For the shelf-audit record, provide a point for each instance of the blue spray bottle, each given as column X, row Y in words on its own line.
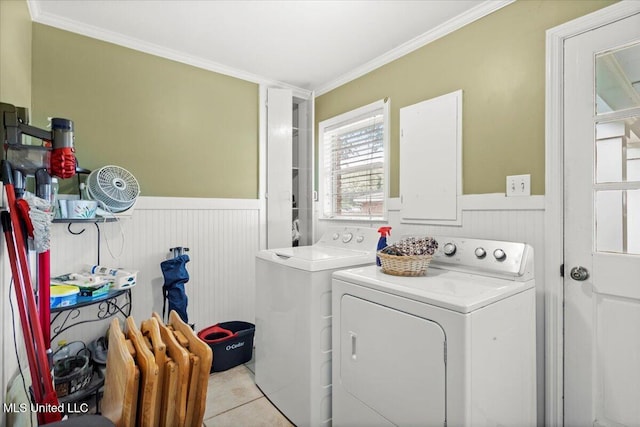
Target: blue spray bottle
column 382, row 242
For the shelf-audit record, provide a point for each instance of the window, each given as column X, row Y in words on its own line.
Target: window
column 353, row 163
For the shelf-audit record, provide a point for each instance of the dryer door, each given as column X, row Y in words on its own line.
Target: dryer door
column 393, row 362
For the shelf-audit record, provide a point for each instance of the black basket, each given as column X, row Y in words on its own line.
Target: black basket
column 231, row 343
column 72, row 374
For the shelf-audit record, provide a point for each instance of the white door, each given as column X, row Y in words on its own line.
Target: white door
column 602, row 226
column 279, row 166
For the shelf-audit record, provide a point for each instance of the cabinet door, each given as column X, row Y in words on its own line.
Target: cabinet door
column 431, row 160
column 393, row 362
column 279, row 164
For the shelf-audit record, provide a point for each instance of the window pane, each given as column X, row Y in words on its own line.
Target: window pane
column 618, row 221
column 353, row 166
column 633, row 222
column 618, row 79
column 609, row 237
column 618, row 151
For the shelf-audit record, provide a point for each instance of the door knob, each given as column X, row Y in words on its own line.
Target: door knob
column 579, row 273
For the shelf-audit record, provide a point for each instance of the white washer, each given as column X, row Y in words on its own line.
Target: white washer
column 293, row 320
column 455, row 347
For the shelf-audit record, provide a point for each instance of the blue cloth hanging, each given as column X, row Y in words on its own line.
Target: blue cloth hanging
column 175, row 276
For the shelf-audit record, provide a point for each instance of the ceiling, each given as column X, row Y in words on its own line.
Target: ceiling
column 310, row 45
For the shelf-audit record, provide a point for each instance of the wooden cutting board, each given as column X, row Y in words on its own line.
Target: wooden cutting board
column 148, row 376
column 193, row 391
column 120, row 399
column 169, row 394
column 180, row 356
column 203, row 352
column 151, row 332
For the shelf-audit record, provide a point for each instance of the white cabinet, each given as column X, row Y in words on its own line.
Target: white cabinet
column 289, row 169
column 431, row 160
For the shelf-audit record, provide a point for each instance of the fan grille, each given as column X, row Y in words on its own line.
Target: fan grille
column 114, row 186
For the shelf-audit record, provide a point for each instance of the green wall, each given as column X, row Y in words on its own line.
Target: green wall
column 499, row 63
column 15, row 88
column 15, row 53
column 181, row 130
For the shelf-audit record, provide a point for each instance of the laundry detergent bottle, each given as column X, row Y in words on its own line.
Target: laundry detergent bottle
column 382, row 242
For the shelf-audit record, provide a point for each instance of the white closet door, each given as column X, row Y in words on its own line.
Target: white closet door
column 279, row 165
column 431, row 160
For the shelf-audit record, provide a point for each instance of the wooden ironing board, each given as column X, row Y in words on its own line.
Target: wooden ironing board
column 148, row 376
column 120, row 399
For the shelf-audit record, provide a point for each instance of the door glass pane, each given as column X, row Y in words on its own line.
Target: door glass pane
column 618, row 151
column 618, row 79
column 618, row 221
column 609, row 237
column 633, row 221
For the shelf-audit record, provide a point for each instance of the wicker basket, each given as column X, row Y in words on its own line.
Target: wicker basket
column 408, row 265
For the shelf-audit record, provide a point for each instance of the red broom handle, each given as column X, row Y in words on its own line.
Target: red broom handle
column 19, row 288
column 44, row 294
column 48, row 395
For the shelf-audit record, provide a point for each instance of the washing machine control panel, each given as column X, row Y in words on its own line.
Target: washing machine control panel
column 490, row 256
column 356, row 238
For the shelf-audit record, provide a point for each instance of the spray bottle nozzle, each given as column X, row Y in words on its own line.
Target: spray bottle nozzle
column 384, row 231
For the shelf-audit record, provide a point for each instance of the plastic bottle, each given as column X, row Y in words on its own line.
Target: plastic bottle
column 62, row 352
column 382, row 242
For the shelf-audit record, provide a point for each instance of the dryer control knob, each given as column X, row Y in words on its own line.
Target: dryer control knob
column 336, row 236
column 359, row 239
column 449, row 249
column 499, row 254
column 480, row 252
column 346, row 237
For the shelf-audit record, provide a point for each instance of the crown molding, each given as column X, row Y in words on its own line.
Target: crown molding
column 37, row 15
column 472, row 15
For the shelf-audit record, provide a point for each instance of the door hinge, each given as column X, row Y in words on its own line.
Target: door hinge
column 561, row 270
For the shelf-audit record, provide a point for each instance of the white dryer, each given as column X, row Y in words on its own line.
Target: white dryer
column 455, row 347
column 293, row 320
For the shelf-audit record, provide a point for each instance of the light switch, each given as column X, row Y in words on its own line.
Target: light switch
column 518, row 185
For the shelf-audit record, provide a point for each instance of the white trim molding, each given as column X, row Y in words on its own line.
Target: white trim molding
column 195, row 203
column 488, row 202
column 37, row 15
column 483, row 9
column 554, row 199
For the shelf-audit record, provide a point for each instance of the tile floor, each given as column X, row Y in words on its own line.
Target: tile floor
column 234, row 400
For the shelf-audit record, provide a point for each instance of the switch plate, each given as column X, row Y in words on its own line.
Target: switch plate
column 518, row 185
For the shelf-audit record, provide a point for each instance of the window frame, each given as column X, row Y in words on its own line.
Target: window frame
column 332, row 122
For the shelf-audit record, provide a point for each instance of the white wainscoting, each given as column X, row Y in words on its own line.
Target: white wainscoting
column 222, row 236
